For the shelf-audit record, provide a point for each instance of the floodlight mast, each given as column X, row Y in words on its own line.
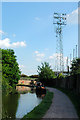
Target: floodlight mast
column 59, row 21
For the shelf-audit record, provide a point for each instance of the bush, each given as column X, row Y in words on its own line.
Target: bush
column 5, row 85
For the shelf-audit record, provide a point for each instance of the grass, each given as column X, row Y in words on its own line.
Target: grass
column 74, row 98
column 39, row 111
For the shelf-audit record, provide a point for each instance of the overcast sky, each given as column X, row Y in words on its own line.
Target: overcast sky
column 27, row 27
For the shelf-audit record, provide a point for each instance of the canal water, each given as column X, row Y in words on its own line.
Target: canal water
column 18, row 105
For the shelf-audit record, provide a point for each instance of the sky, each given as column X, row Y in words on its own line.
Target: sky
column 27, row 27
column 40, row 0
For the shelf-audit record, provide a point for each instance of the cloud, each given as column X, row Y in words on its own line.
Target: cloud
column 27, row 70
column 38, row 59
column 37, row 18
column 39, row 56
column 5, row 43
column 36, row 52
column 72, row 18
column 54, row 56
column 1, row 32
column 46, row 49
column 14, row 35
column 54, row 61
column 21, row 67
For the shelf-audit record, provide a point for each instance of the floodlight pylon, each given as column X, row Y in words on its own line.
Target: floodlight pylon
column 59, row 21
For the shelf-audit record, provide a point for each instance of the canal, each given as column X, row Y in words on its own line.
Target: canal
column 18, row 105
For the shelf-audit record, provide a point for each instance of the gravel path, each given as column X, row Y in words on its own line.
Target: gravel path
column 61, row 106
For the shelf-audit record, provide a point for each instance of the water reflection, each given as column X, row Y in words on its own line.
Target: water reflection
column 23, row 89
column 40, row 94
column 9, row 105
column 26, row 103
column 17, row 105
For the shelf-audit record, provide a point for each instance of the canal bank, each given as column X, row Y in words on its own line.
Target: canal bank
column 39, row 111
column 61, row 107
column 20, row 103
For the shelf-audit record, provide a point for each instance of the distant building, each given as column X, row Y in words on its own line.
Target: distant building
column 79, row 46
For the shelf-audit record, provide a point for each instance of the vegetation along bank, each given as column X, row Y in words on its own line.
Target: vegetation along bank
column 10, row 70
column 39, row 111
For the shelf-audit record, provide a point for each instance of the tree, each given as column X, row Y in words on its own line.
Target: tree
column 75, row 73
column 34, row 76
column 10, row 68
column 61, row 75
column 23, row 75
column 45, row 73
column 75, row 67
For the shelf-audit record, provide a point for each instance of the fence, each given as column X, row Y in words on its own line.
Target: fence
column 69, row 82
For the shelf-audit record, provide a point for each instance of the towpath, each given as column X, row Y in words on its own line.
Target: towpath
column 61, row 106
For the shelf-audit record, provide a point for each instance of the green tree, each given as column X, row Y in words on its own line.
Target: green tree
column 75, row 74
column 10, row 68
column 60, row 75
column 45, row 73
column 75, row 67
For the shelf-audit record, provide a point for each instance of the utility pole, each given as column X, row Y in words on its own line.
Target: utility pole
column 73, row 53
column 70, row 58
column 76, row 51
column 59, row 21
column 67, row 65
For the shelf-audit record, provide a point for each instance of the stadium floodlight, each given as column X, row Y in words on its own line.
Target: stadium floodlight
column 59, row 20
